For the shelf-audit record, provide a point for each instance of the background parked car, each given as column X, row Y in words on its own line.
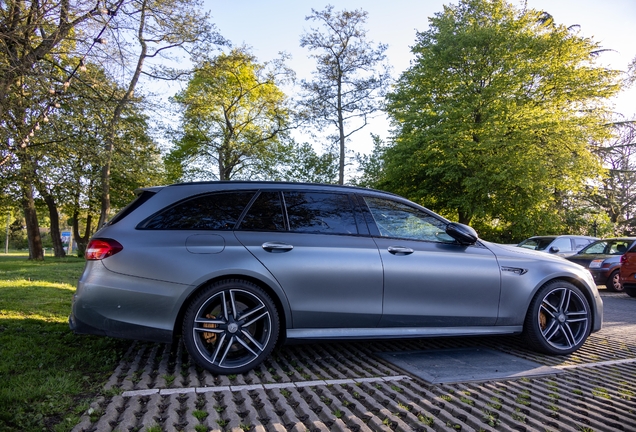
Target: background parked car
column 603, row 259
column 562, row 245
column 628, row 271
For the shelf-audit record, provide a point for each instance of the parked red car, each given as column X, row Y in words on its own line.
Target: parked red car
column 628, row 271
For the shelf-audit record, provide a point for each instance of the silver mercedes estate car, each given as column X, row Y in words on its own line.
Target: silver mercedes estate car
column 238, row 267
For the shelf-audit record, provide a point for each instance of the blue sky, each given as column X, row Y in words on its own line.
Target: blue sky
column 272, row 26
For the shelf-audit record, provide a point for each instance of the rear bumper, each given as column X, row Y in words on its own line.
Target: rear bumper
column 111, row 304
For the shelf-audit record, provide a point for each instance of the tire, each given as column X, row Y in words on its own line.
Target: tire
column 613, row 282
column 230, row 327
column 558, row 320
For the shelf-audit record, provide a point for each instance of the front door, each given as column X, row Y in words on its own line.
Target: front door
column 429, row 279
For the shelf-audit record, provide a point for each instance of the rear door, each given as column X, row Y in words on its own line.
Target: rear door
column 310, row 241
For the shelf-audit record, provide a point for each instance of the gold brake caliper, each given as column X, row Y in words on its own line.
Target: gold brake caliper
column 543, row 320
column 208, row 336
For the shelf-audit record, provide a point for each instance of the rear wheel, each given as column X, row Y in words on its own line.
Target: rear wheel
column 558, row 320
column 613, row 282
column 230, row 327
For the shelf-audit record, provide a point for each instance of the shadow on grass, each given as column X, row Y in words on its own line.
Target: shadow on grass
column 48, row 375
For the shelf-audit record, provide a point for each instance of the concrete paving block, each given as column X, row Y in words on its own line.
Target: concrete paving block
column 310, row 383
column 212, row 389
column 238, row 388
column 137, row 393
column 172, row 391
column 270, row 386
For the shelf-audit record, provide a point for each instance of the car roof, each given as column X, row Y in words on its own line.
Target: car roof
column 263, row 183
column 564, row 235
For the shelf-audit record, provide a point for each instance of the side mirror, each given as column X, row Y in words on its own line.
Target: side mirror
column 464, row 234
column 554, row 249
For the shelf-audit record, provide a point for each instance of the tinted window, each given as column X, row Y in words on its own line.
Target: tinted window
column 265, row 214
column 218, row 211
column 395, row 219
column 134, row 205
column 320, row 212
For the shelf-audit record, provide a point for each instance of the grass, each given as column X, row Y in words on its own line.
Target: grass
column 48, row 375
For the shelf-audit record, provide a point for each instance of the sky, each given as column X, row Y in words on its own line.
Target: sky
column 272, row 26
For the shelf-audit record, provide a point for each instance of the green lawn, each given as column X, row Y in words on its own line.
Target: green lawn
column 48, row 375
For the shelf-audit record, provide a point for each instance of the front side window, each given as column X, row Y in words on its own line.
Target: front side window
column 395, row 219
column 320, row 212
column 217, row 211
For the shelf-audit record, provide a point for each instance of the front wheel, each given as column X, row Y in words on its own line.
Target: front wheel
column 230, row 327
column 613, row 282
column 558, row 320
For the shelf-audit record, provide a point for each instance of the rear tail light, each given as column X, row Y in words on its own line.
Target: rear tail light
column 102, row 248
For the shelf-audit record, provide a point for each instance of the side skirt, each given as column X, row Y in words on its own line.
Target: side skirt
column 399, row 332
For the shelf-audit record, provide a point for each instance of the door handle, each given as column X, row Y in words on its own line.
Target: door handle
column 277, row 247
column 399, row 250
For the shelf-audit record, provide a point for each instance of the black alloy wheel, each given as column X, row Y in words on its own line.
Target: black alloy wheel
column 559, row 319
column 230, row 327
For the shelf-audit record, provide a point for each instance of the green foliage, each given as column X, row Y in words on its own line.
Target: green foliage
column 303, row 164
column 234, row 120
column 48, row 374
column 495, row 115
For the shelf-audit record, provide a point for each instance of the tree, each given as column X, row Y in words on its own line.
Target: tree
column 30, row 34
column 350, row 77
column 157, row 27
column 234, row 120
column 494, row 118
column 615, row 194
column 303, row 164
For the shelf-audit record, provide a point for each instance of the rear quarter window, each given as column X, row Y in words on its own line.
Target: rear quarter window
column 134, row 205
column 216, row 211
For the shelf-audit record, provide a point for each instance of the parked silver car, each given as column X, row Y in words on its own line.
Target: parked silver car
column 237, row 267
column 562, row 245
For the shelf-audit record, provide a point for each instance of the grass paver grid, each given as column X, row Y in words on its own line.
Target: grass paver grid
column 330, row 387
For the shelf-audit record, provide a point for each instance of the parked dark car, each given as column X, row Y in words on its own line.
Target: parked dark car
column 236, row 267
column 562, row 245
column 603, row 259
column 628, row 271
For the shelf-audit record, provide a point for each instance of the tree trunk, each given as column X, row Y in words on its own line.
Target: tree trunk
column 33, row 228
column 56, row 235
column 81, row 241
column 341, row 134
column 464, row 217
column 114, row 122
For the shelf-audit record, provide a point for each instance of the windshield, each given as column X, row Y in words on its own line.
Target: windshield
column 607, row 247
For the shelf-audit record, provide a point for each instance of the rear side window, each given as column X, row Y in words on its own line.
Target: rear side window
column 265, row 214
column 318, row 212
column 217, row 211
column 581, row 243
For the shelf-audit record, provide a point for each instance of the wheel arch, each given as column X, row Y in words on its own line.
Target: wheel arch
column 283, row 317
